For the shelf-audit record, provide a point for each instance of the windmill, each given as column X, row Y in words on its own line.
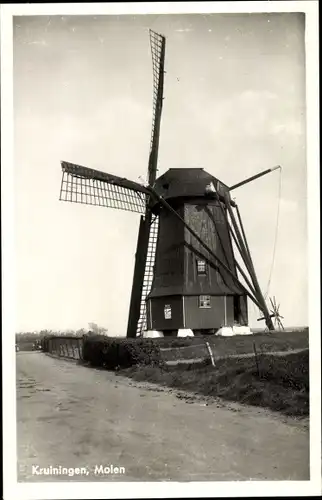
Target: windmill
column 275, row 314
column 186, row 275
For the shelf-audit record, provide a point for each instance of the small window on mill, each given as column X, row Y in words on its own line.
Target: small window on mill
column 201, row 267
column 167, row 311
column 204, row 302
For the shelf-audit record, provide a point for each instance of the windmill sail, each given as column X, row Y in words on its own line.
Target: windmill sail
column 158, row 52
column 145, row 255
column 92, row 187
column 148, row 275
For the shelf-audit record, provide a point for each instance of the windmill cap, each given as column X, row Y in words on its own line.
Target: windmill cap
column 188, row 182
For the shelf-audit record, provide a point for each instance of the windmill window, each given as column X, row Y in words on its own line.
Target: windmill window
column 167, row 311
column 204, row 302
column 201, row 267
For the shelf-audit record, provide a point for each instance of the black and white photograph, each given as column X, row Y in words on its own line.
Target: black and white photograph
column 160, row 245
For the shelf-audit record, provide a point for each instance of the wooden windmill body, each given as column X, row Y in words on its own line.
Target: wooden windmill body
column 186, row 292
column 186, row 275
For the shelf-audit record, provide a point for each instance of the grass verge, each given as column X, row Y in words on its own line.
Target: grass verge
column 194, row 347
column 281, row 384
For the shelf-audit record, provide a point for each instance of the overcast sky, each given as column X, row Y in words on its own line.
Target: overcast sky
column 234, row 105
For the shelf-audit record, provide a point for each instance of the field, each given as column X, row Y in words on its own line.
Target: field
column 268, row 370
column 230, row 346
column 280, row 383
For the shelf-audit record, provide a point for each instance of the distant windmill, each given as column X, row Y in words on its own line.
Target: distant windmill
column 275, row 314
column 185, row 272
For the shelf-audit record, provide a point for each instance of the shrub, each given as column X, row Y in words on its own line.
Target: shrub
column 113, row 353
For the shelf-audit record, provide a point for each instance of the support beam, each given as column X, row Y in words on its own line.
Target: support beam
column 244, row 235
column 251, row 269
column 237, row 265
column 225, row 201
column 206, row 247
column 262, row 319
column 208, row 212
column 211, row 217
column 242, row 272
column 250, row 179
column 215, row 266
column 239, row 249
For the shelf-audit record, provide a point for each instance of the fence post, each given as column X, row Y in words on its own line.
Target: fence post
column 80, row 347
column 70, row 348
column 210, row 354
column 73, row 349
column 256, row 359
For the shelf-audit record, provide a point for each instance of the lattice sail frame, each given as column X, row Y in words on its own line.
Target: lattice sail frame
column 148, row 274
column 91, row 187
column 157, row 43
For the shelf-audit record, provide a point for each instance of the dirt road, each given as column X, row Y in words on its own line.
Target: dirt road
column 72, row 416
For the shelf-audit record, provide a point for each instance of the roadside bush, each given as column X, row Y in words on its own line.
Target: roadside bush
column 114, row 353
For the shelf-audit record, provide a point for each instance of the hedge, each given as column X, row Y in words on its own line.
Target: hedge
column 114, row 353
